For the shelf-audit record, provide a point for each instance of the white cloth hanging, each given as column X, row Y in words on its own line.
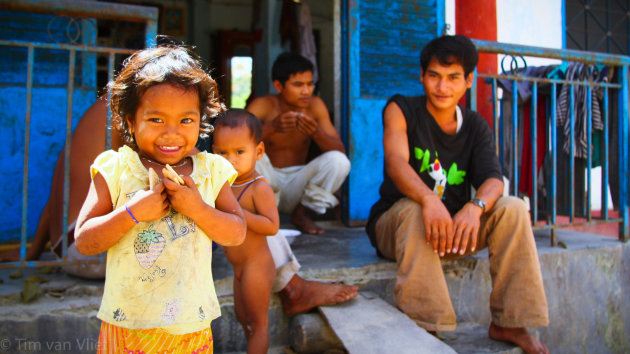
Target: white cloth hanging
column 307, row 41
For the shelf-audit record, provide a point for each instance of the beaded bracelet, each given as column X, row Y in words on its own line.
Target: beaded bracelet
column 130, row 214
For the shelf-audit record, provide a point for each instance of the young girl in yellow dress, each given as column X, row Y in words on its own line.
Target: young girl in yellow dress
column 159, row 294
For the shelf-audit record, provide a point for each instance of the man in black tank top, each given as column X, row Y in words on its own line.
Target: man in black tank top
column 435, row 151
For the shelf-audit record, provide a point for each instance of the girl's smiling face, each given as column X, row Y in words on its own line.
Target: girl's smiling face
column 166, row 124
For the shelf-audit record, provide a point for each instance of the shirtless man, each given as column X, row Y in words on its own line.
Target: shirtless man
column 292, row 119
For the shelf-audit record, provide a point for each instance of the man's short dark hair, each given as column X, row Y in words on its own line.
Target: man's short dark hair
column 450, row 50
column 233, row 118
column 288, row 64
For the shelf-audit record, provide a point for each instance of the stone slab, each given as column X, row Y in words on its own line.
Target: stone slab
column 367, row 324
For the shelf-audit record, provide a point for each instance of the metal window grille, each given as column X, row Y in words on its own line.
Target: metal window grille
column 73, row 10
column 620, row 88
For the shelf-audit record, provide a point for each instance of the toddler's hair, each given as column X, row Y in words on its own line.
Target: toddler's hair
column 172, row 64
column 233, row 118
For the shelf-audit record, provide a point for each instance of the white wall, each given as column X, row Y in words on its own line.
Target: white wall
column 449, row 16
column 532, row 22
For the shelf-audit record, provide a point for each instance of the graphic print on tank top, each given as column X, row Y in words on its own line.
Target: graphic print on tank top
column 438, row 172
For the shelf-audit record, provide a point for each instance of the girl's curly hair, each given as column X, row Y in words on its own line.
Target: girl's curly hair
column 172, row 64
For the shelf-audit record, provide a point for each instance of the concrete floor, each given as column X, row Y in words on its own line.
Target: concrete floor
column 586, row 285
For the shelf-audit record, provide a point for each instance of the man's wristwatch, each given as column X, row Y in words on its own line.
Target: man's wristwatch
column 480, row 203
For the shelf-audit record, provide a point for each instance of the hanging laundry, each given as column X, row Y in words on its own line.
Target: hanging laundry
column 579, row 72
column 524, row 87
column 296, row 27
column 289, row 24
column 307, row 40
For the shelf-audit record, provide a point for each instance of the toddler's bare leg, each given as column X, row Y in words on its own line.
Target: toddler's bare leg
column 258, row 276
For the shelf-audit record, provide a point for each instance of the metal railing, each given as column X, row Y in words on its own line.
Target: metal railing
column 620, row 64
column 72, row 9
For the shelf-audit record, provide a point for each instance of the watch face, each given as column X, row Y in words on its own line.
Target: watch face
column 480, row 203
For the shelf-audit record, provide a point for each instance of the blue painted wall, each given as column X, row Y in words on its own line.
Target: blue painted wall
column 384, row 43
column 48, row 112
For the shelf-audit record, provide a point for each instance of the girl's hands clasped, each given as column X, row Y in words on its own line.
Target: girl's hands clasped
column 147, row 205
column 185, row 199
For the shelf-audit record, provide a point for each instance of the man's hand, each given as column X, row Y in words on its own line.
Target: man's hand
column 466, row 223
column 438, row 225
column 285, row 122
column 305, row 124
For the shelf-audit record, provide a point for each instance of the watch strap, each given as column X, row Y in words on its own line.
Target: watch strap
column 480, row 203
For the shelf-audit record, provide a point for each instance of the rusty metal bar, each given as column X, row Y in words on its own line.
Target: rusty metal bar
column 64, row 46
column 495, row 117
column 514, row 138
column 473, row 92
column 151, row 34
column 551, row 53
column 501, row 127
column 548, row 81
column 66, row 167
column 605, row 158
column 623, row 155
column 534, row 136
column 95, row 9
column 44, row 263
column 110, row 77
column 554, row 162
column 589, row 144
column 27, row 143
column 571, row 152
column 593, row 222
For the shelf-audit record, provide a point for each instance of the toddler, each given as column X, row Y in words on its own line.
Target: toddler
column 238, row 138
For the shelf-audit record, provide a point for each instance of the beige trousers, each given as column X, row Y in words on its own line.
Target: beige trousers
column 517, row 298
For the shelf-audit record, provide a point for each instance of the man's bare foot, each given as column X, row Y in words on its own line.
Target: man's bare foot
column 300, row 218
column 518, row 336
column 301, row 295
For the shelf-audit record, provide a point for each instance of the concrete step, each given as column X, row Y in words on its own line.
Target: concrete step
column 593, row 266
column 586, row 285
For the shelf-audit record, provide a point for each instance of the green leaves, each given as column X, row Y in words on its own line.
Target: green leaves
column 455, row 176
column 149, row 236
column 424, row 156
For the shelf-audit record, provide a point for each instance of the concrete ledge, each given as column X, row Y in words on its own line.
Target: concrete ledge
column 585, row 284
